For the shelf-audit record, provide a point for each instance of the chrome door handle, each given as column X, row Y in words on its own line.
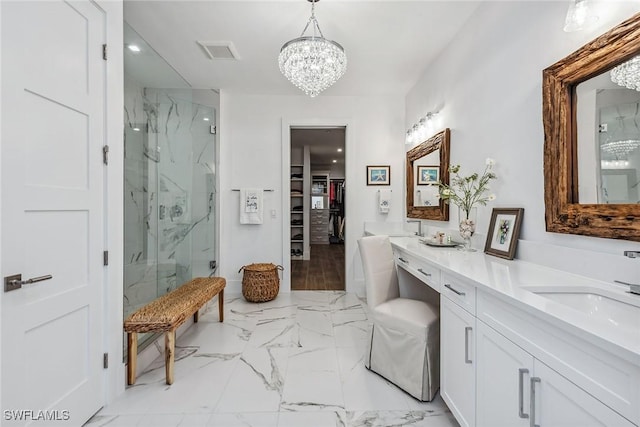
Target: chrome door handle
column 532, row 398
column 11, row 283
column 454, row 290
column 521, row 373
column 424, row 272
column 403, row 260
column 466, row 344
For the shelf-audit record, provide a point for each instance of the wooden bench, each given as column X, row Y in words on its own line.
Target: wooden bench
column 166, row 314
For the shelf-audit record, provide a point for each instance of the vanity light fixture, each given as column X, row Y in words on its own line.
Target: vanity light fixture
column 312, row 63
column 421, row 130
column 580, row 15
column 614, row 164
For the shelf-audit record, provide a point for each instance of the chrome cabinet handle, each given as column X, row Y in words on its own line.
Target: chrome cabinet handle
column 11, row 283
column 403, row 260
column 532, row 398
column 467, row 359
column 454, row 290
column 521, row 373
column 424, row 272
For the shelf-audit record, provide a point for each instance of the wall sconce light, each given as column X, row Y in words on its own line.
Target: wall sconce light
column 419, row 131
column 580, row 15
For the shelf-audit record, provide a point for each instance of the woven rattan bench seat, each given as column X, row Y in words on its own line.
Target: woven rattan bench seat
column 166, row 314
column 171, row 310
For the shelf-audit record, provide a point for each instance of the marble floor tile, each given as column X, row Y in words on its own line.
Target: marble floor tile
column 398, row 418
column 296, row 361
column 312, row 391
column 315, row 419
column 302, row 360
column 257, row 382
column 255, row 419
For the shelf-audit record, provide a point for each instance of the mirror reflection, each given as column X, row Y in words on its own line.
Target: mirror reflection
column 608, row 140
column 426, row 172
column 427, row 164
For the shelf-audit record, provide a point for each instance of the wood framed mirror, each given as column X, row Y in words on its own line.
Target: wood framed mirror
column 427, row 164
column 564, row 212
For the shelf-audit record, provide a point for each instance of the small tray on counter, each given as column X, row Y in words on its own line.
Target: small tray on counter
column 451, row 244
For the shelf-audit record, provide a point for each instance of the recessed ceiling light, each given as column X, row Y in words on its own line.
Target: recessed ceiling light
column 136, row 129
column 133, row 48
column 206, row 119
column 339, row 150
column 335, row 161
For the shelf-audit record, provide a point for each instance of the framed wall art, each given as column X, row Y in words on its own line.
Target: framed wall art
column 378, row 175
column 504, row 231
column 428, row 175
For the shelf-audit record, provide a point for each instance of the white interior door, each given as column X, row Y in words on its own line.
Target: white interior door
column 53, row 118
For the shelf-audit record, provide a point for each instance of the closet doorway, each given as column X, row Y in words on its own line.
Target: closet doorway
column 318, row 191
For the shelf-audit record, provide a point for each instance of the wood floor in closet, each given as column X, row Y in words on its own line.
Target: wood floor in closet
column 323, row 272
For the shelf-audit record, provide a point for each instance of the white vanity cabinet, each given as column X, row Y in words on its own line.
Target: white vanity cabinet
column 457, row 348
column 504, row 371
column 457, row 361
column 516, row 390
column 506, row 363
column 563, row 380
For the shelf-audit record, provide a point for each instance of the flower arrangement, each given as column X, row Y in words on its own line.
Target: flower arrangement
column 467, row 191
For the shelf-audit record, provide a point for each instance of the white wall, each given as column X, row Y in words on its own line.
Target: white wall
column 251, row 155
column 488, row 86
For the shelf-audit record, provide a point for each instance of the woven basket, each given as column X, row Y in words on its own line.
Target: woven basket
column 260, row 282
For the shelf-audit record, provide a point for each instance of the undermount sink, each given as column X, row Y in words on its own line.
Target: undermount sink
column 617, row 308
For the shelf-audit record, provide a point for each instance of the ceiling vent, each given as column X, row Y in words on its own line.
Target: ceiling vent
column 220, row 50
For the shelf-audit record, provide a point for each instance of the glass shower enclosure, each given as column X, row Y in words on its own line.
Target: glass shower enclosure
column 169, row 178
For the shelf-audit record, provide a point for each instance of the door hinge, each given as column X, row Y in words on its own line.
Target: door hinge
column 105, row 258
column 104, row 52
column 105, row 360
column 105, row 154
column 213, row 130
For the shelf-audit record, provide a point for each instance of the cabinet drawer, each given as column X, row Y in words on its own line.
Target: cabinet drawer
column 319, row 229
column 428, row 273
column 460, row 292
column 321, row 214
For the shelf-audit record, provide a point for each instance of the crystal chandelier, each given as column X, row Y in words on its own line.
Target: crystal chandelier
column 627, row 74
column 312, row 63
column 622, row 142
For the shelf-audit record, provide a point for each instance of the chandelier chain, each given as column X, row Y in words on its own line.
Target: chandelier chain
column 313, row 19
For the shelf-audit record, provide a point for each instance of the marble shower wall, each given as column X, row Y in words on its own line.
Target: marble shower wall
column 169, row 191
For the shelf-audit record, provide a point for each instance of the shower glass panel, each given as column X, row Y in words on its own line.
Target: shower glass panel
column 169, row 179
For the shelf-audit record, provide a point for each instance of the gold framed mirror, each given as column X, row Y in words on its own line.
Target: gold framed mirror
column 563, row 211
column 427, row 164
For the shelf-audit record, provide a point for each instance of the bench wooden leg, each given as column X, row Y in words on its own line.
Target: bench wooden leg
column 132, row 357
column 196, row 316
column 220, row 305
column 169, row 356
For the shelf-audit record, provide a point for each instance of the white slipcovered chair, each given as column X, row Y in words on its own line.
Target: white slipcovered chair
column 404, row 345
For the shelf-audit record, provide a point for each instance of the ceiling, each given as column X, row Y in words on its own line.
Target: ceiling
column 389, row 44
column 323, row 143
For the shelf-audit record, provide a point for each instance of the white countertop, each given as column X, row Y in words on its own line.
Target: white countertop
column 508, row 279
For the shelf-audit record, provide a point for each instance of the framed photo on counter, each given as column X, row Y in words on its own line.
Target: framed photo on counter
column 504, row 231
